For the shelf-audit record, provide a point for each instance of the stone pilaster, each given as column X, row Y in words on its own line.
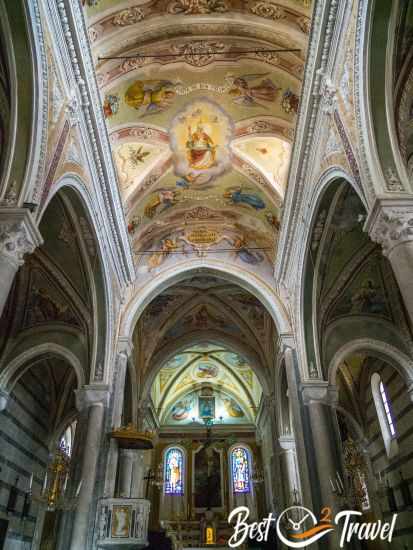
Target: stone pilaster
column 19, row 235
column 390, row 224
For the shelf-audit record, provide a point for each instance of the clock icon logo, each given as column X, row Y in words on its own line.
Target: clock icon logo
column 297, row 527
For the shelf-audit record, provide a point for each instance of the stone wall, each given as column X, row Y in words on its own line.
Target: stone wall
column 403, row 461
column 24, row 433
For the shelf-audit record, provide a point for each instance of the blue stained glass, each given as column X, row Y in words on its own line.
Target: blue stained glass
column 174, row 472
column 240, row 470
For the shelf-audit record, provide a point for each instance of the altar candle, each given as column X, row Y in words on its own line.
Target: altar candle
column 65, row 483
column 79, row 487
column 44, row 482
column 30, row 483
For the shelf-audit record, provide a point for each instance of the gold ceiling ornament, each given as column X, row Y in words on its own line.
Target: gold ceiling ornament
column 202, row 236
column 128, row 437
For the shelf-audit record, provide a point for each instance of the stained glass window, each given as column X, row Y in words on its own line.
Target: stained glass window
column 66, row 441
column 240, row 466
column 387, row 409
column 174, row 472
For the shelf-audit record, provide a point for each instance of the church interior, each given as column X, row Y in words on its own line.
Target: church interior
column 206, row 273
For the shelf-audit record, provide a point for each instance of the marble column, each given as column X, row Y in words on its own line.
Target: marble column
column 94, row 398
column 299, row 423
column 19, row 235
column 124, row 352
column 138, row 473
column 288, row 465
column 325, row 444
column 126, row 460
column 131, row 473
column 390, row 224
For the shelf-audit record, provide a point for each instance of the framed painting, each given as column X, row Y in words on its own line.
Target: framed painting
column 206, row 407
column 121, row 520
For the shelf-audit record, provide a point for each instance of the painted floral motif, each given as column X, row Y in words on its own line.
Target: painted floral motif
column 268, row 10
column 191, row 7
column 128, row 17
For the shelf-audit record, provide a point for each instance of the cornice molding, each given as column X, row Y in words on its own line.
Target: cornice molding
column 85, row 100
column 316, row 89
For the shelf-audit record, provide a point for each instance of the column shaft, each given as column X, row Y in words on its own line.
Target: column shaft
column 401, row 259
column 90, row 457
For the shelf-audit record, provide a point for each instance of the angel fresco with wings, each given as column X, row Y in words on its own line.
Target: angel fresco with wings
column 246, row 93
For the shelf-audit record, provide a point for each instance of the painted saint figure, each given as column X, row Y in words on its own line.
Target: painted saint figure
column 174, row 472
column 240, row 470
column 200, row 147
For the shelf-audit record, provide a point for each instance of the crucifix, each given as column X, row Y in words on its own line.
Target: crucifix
column 149, row 478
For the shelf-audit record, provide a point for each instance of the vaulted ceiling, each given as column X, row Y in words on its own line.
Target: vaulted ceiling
column 201, row 109
column 190, row 373
column 205, row 330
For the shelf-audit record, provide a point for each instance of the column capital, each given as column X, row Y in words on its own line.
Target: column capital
column 131, row 454
column 315, row 391
column 89, row 396
column 319, row 391
column 19, row 234
column 390, row 222
column 286, row 442
column 4, row 399
column 125, row 346
column 286, row 340
column 269, row 402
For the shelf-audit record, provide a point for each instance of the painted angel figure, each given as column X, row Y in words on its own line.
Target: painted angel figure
column 150, row 96
column 248, row 95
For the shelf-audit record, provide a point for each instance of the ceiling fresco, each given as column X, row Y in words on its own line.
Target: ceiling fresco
column 200, row 101
column 206, row 368
column 205, row 310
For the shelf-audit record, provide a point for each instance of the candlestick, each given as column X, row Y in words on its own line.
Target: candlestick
column 65, row 483
column 44, row 483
